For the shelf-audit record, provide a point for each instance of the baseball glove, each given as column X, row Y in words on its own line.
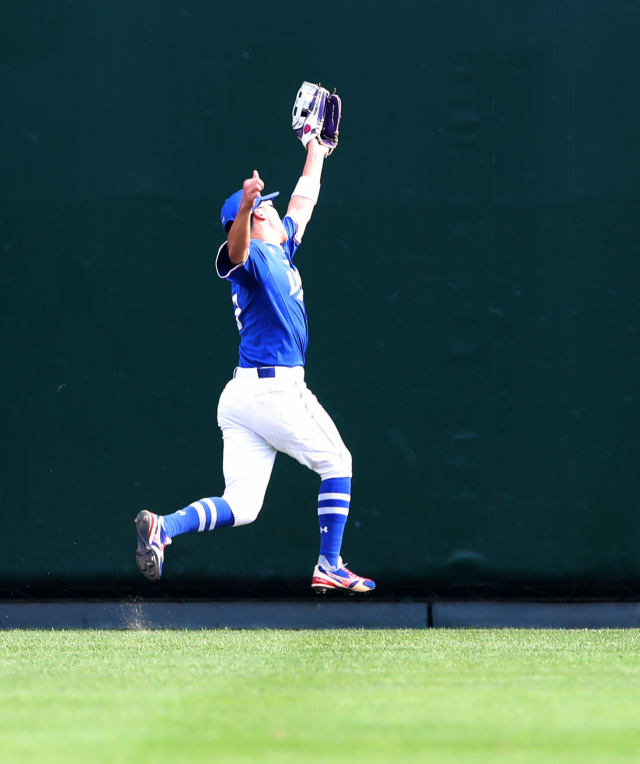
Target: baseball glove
column 316, row 114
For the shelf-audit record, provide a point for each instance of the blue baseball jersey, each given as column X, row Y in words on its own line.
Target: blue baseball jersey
column 268, row 302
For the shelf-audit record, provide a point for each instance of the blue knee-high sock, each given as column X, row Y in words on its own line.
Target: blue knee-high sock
column 333, row 509
column 203, row 515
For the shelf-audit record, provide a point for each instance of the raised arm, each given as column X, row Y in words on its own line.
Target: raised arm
column 240, row 233
column 301, row 206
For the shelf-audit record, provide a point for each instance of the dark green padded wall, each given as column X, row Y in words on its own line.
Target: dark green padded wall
column 471, row 276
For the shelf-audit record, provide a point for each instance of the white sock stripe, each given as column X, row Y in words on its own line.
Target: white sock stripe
column 214, row 513
column 198, row 506
column 338, row 496
column 333, row 511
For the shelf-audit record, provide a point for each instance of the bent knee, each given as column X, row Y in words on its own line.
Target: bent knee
column 340, row 465
column 245, row 508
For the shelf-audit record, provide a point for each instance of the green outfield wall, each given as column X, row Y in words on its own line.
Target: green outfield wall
column 471, row 275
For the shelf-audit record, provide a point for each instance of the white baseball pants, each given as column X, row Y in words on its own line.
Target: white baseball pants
column 261, row 416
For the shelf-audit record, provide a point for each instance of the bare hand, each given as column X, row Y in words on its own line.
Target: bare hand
column 314, row 147
column 252, row 188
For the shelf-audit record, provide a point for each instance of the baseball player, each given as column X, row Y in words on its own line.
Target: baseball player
column 267, row 406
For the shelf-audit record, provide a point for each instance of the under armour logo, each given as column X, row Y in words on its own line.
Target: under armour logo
column 182, row 512
column 324, row 530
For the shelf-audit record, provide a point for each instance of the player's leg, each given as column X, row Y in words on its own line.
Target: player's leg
column 322, row 449
column 202, row 515
column 294, row 422
column 155, row 532
column 247, row 465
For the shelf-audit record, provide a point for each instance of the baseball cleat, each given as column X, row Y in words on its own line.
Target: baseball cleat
column 326, row 577
column 150, row 553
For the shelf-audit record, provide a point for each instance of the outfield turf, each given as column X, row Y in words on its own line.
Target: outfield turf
column 319, row 696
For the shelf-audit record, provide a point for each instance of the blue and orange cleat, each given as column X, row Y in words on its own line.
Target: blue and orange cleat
column 150, row 553
column 326, row 576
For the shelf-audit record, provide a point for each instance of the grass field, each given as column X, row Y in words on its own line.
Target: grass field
column 324, row 696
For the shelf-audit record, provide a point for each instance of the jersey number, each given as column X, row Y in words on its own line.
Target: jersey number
column 237, row 310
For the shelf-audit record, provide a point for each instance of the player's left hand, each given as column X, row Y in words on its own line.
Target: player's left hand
column 316, row 114
column 318, row 148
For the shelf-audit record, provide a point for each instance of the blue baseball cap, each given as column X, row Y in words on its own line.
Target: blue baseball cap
column 232, row 205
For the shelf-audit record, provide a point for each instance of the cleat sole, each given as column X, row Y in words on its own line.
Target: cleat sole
column 323, row 589
column 145, row 555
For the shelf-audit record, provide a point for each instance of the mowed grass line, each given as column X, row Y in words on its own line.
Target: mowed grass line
column 320, row 696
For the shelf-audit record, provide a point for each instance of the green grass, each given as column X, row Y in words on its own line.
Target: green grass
column 328, row 696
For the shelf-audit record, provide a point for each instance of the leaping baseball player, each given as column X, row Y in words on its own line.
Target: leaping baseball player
column 267, row 406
